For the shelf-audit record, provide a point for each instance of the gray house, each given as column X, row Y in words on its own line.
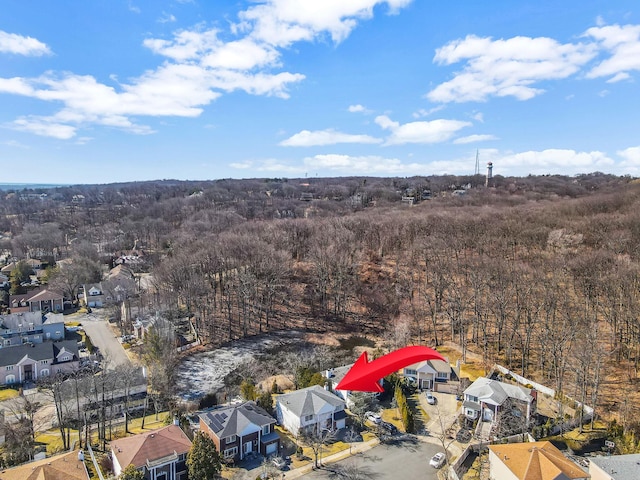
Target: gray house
column 311, row 409
column 30, row 327
column 30, row 362
column 239, row 430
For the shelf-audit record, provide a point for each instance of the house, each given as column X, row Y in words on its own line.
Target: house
column 335, row 375
column 93, row 295
column 32, row 361
column 238, row 430
column 429, row 373
column 4, row 281
column 310, row 409
column 484, row 399
column 37, row 300
column 160, row 455
column 532, row 461
column 615, row 467
column 30, row 327
column 66, row 466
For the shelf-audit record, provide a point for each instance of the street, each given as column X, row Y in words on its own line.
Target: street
column 97, row 328
column 406, row 459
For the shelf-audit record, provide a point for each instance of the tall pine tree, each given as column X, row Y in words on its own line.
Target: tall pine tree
column 203, row 460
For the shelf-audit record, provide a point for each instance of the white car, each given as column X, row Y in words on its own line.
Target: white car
column 437, row 461
column 431, row 400
column 373, row 417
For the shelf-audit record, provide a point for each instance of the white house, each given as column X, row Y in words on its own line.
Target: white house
column 615, row 467
column 311, row 409
column 428, row 373
column 484, row 398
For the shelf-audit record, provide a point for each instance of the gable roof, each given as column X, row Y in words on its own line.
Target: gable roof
column 436, row 365
column 620, row 467
column 150, row 446
column 537, row 461
column 37, row 351
column 309, row 401
column 60, row 467
column 235, row 419
column 45, row 295
column 494, row 392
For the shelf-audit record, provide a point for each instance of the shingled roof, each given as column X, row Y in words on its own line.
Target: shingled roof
column 38, row 351
column 151, row 446
column 61, row 467
column 234, row 420
column 309, row 401
column 537, row 461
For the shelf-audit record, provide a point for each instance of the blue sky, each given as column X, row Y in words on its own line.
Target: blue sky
column 119, row 90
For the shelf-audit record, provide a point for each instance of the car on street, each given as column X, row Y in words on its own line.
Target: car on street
column 437, row 461
column 373, row 417
column 431, row 400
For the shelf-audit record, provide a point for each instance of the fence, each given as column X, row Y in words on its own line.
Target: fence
column 95, row 463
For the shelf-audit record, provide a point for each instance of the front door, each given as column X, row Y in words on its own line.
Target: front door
column 28, row 373
column 247, row 447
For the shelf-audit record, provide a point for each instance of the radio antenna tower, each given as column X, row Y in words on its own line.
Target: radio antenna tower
column 477, row 172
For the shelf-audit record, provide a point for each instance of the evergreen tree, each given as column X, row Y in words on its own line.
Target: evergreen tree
column 131, row 473
column 203, row 460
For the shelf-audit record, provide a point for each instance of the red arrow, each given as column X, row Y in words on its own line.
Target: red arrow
column 364, row 375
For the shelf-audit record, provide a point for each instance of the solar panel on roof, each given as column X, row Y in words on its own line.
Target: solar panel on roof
column 224, row 416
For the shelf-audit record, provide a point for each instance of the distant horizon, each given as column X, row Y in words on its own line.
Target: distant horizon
column 251, row 89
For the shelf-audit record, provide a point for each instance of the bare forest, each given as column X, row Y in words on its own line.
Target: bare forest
column 541, row 274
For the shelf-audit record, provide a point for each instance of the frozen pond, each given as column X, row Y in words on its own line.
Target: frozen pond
column 204, row 372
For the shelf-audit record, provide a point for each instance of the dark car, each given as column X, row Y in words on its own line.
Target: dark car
column 388, row 428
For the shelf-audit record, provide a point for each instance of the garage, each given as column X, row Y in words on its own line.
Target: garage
column 272, row 449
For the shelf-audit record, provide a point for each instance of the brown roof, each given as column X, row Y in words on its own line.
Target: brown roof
column 45, row 295
column 61, row 467
column 537, row 461
column 151, row 446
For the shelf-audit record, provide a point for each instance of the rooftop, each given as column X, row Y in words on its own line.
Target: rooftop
column 151, row 446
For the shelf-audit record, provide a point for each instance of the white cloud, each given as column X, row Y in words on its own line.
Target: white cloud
column 630, row 160
column 199, row 66
column 20, row 45
column 623, row 43
column 552, row 160
column 425, row 113
column 43, row 127
column 435, row 131
column 474, row 139
column 283, row 22
column 358, row 109
column 167, row 18
column 369, row 164
column 306, row 138
column 478, row 117
column 511, row 67
column 15, row 144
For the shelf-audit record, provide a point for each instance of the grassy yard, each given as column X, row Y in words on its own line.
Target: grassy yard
column 8, row 394
column 472, row 370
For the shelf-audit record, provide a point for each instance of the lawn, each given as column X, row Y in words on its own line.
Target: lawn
column 472, row 370
column 8, row 394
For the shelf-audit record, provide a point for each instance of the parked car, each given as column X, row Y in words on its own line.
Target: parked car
column 437, row 461
column 431, row 400
column 373, row 417
column 279, row 462
column 388, row 428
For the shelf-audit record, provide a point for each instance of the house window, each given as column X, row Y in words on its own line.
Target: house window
column 64, row 359
column 265, row 430
column 7, row 342
column 44, row 362
column 231, row 439
column 308, row 418
column 471, row 398
column 9, row 367
column 444, row 375
column 44, row 372
column 161, row 476
column 409, row 371
column 230, row 452
column 471, row 413
column 10, row 379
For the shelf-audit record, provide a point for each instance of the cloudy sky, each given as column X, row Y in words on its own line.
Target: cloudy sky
column 118, row 90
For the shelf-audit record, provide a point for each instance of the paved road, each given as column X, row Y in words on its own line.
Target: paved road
column 400, row 460
column 102, row 337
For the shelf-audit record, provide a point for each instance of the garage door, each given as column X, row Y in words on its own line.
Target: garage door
column 272, row 448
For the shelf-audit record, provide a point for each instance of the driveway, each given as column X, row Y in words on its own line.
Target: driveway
column 441, row 415
column 406, row 459
column 102, row 337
